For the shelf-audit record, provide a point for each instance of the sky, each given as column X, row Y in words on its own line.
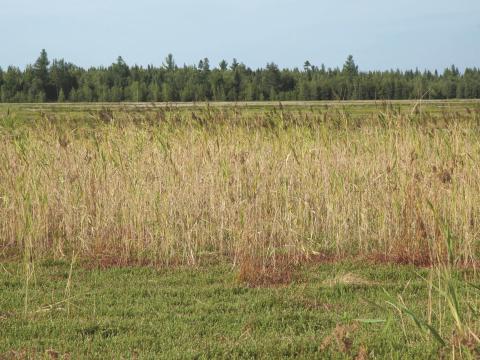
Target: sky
column 380, row 34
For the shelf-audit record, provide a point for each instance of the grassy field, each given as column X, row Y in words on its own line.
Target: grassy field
column 344, row 310
column 331, row 229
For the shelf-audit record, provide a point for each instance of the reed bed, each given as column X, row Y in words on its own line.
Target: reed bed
column 184, row 186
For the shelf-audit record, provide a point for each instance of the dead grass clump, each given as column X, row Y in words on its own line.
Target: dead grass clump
column 341, row 337
column 257, row 272
column 362, row 353
column 445, row 176
column 349, row 279
column 401, row 258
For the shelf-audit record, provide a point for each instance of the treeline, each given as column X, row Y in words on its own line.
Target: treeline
column 62, row 81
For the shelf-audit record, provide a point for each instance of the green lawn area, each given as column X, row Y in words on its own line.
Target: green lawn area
column 328, row 311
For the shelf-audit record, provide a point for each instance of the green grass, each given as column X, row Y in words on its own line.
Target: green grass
column 330, row 311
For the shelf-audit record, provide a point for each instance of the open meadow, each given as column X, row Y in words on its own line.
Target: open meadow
column 248, row 230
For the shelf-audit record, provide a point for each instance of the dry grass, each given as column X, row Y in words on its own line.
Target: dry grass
column 341, row 337
column 348, row 279
column 178, row 186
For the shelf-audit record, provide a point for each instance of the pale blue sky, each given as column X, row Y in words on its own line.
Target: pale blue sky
column 381, row 34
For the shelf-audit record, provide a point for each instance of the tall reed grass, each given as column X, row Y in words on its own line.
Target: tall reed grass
column 184, row 185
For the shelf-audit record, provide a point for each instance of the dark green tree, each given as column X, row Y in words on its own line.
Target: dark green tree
column 119, row 82
column 169, row 63
column 350, row 68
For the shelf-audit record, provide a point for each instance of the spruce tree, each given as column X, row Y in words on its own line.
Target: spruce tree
column 350, row 68
column 61, row 96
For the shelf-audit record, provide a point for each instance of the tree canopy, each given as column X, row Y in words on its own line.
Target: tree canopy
column 59, row 80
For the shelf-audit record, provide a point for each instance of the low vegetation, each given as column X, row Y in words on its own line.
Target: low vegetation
column 346, row 310
column 290, row 230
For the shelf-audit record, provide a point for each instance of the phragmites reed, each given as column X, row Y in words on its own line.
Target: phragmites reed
column 163, row 186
